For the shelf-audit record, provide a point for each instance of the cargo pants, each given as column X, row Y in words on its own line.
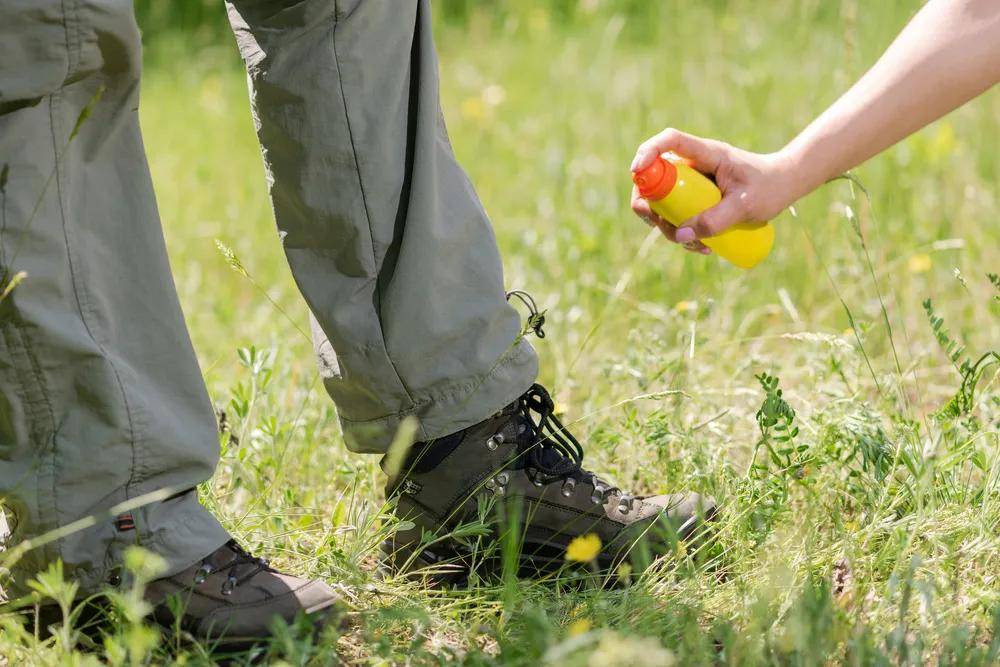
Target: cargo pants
column 101, row 396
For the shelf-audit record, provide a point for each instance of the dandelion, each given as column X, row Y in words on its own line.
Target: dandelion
column 473, row 109
column 538, row 21
column 583, row 549
column 578, row 627
column 919, row 263
column 942, row 144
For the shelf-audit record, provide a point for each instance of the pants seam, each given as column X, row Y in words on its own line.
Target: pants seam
column 76, row 47
column 83, row 305
column 364, row 200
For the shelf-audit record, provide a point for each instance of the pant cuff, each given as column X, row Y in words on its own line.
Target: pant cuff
column 182, row 535
column 453, row 409
column 179, row 530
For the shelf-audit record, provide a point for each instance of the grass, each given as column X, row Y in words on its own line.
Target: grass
column 861, row 504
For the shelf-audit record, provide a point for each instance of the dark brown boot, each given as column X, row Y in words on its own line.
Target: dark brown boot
column 233, row 598
column 523, row 456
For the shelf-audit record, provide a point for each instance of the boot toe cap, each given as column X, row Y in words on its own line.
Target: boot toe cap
column 685, row 511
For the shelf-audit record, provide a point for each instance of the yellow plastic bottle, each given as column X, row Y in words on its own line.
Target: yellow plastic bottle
column 677, row 192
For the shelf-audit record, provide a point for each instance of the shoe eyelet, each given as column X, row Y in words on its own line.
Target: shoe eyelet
column 498, row 484
column 202, row 574
column 597, row 497
column 494, row 441
column 228, row 585
column 568, row 487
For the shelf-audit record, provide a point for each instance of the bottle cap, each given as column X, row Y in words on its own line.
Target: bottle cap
column 657, row 180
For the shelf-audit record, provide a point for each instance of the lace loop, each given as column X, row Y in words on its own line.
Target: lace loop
column 549, row 436
column 550, row 449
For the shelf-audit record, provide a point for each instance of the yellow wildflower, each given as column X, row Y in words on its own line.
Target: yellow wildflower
column 578, row 627
column 919, row 263
column 584, row 548
column 942, row 144
column 538, row 20
column 685, row 306
column 473, row 109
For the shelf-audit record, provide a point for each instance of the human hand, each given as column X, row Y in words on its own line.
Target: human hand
column 755, row 187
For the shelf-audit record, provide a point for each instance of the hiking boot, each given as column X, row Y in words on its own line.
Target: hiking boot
column 523, row 455
column 233, row 598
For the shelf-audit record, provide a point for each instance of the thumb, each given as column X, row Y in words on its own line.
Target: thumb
column 713, row 221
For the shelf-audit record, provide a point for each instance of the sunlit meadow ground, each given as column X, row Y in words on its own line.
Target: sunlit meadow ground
column 882, row 536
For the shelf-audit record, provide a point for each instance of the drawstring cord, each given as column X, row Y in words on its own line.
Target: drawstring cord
column 536, row 318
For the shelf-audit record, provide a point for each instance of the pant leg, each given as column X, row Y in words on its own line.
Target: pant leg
column 385, row 235
column 101, row 397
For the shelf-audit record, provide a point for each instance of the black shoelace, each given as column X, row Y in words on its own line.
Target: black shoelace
column 549, row 447
column 233, row 578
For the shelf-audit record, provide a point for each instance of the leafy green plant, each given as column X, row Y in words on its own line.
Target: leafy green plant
column 970, row 372
column 786, row 460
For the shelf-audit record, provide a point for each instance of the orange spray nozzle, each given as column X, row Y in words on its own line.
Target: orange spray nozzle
column 657, row 180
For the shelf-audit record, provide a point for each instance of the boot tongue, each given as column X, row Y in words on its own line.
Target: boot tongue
column 550, row 458
column 230, row 555
column 222, row 557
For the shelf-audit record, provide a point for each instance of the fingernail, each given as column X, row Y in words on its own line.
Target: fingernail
column 635, row 162
column 684, row 235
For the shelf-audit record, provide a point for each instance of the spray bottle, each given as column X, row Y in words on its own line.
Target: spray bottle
column 677, row 192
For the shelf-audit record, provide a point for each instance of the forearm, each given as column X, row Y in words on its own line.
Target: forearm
column 947, row 55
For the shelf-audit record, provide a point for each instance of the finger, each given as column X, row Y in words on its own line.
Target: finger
column 641, row 208
column 713, row 221
column 702, row 154
column 692, row 246
column 668, row 230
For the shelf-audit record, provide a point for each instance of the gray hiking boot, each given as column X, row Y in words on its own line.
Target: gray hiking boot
column 233, row 598
column 524, row 456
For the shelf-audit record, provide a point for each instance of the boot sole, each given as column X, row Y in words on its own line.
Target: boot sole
column 446, row 565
